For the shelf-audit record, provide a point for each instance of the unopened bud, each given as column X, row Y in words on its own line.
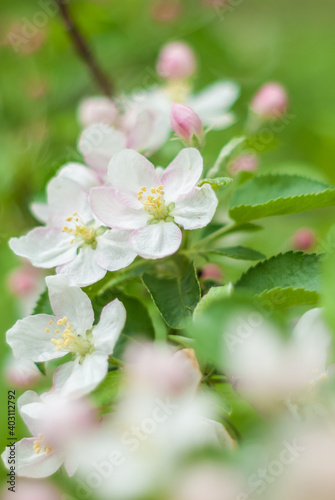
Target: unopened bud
column 303, row 239
column 97, row 110
column 270, row 101
column 211, row 272
column 176, row 61
column 186, row 124
column 247, row 162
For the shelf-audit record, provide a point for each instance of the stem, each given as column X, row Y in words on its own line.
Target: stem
column 217, row 234
column 83, row 49
column 116, row 362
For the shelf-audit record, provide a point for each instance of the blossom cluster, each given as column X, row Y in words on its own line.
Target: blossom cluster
column 126, row 413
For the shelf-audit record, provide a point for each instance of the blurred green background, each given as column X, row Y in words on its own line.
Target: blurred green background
column 253, row 41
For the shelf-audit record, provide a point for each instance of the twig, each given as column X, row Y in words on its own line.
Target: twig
column 83, row 50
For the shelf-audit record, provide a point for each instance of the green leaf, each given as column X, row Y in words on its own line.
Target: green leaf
column 41, row 366
column 239, row 252
column 284, row 280
column 138, row 322
column 43, row 304
column 175, row 295
column 106, row 392
column 216, row 183
column 269, row 195
column 214, row 294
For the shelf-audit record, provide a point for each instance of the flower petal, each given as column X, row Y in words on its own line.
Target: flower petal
column 313, row 337
column 157, row 240
column 29, row 340
column 45, row 247
column 182, row 174
column 128, row 171
column 83, row 270
column 32, row 464
column 108, row 330
column 69, row 300
column 40, row 211
column 111, row 211
column 196, row 209
column 214, row 101
column 99, row 143
column 76, row 379
column 66, row 196
column 31, row 420
column 79, row 173
column 113, row 251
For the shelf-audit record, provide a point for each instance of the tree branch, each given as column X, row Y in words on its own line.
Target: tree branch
column 83, row 49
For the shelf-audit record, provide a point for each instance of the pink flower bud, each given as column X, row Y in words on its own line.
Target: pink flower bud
column 303, row 239
column 21, row 372
column 211, row 272
column 270, row 101
column 246, row 162
column 97, row 110
column 176, row 61
column 24, row 280
column 186, row 123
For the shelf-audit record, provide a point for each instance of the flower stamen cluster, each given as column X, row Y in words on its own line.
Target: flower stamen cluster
column 40, row 445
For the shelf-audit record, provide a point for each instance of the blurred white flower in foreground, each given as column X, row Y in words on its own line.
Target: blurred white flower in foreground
column 26, row 489
column 55, row 424
column 73, row 239
column 155, row 425
column 152, row 204
column 43, row 337
column 265, row 369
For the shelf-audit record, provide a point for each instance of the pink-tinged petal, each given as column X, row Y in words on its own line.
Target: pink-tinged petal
column 66, row 196
column 313, row 337
column 108, row 207
column 76, row 379
column 83, row 270
column 69, row 300
column 40, row 211
column 214, row 101
column 128, row 171
column 182, row 174
column 44, row 247
column 32, row 421
column 80, row 174
column 109, row 328
column 32, row 464
column 196, row 209
column 113, row 250
column 157, row 240
column 150, row 131
column 29, row 339
column 99, row 143
column 97, row 109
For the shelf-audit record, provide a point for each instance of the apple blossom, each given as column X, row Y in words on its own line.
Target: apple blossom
column 266, row 370
column 142, row 124
column 54, row 423
column 21, row 372
column 270, row 101
column 138, row 199
column 43, row 337
column 73, row 240
column 186, row 124
column 158, row 369
column 97, row 110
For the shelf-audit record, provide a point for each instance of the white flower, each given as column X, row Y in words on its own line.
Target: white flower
column 266, row 369
column 55, row 424
column 73, row 239
column 44, row 337
column 152, row 207
column 143, row 125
